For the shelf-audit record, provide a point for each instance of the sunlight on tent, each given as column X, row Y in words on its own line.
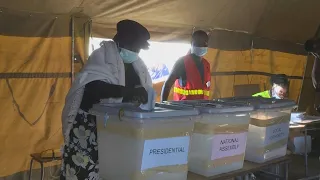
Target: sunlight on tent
column 159, row 58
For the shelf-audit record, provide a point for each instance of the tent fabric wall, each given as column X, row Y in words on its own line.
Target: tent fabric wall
column 31, row 107
column 35, row 76
column 227, row 65
column 240, row 41
column 82, row 27
column 285, row 20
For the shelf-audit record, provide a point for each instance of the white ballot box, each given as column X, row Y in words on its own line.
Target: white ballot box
column 268, row 129
column 218, row 143
column 143, row 145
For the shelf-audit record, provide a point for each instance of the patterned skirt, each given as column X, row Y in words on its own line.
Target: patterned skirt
column 80, row 157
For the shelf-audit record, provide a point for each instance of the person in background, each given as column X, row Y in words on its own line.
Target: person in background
column 114, row 73
column 313, row 47
column 191, row 74
column 279, row 90
column 316, row 74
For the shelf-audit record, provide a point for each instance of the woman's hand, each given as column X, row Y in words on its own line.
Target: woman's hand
column 138, row 94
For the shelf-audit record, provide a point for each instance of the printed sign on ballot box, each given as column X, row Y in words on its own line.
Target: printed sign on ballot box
column 226, row 145
column 165, row 152
column 276, row 132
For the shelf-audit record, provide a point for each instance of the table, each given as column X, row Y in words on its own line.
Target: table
column 248, row 167
column 305, row 125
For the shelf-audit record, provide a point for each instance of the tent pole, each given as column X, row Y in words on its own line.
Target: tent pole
column 72, row 49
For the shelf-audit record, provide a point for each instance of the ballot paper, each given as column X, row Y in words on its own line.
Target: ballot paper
column 151, row 100
column 148, row 106
column 296, row 117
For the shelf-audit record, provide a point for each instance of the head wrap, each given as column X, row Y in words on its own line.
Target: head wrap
column 129, row 31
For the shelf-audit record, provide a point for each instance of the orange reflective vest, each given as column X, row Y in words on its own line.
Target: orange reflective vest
column 196, row 88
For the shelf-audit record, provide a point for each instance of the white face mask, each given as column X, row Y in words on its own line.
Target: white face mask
column 199, row 51
column 128, row 56
column 274, row 95
column 275, row 91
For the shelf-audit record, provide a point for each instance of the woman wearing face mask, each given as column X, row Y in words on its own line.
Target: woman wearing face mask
column 279, row 90
column 191, row 74
column 114, row 73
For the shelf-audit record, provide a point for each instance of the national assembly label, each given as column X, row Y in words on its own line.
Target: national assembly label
column 226, row 145
column 165, row 152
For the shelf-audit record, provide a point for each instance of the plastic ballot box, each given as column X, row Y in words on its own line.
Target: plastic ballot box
column 143, row 145
column 220, row 134
column 268, row 129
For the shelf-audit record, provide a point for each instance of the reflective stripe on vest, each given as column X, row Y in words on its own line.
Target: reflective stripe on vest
column 190, row 92
column 264, row 94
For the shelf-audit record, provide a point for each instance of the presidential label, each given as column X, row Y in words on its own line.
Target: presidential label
column 165, row 152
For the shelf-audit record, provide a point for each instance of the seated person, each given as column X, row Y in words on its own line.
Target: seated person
column 279, row 90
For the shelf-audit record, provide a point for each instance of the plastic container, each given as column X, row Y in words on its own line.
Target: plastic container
column 143, row 145
column 269, row 127
column 219, row 140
